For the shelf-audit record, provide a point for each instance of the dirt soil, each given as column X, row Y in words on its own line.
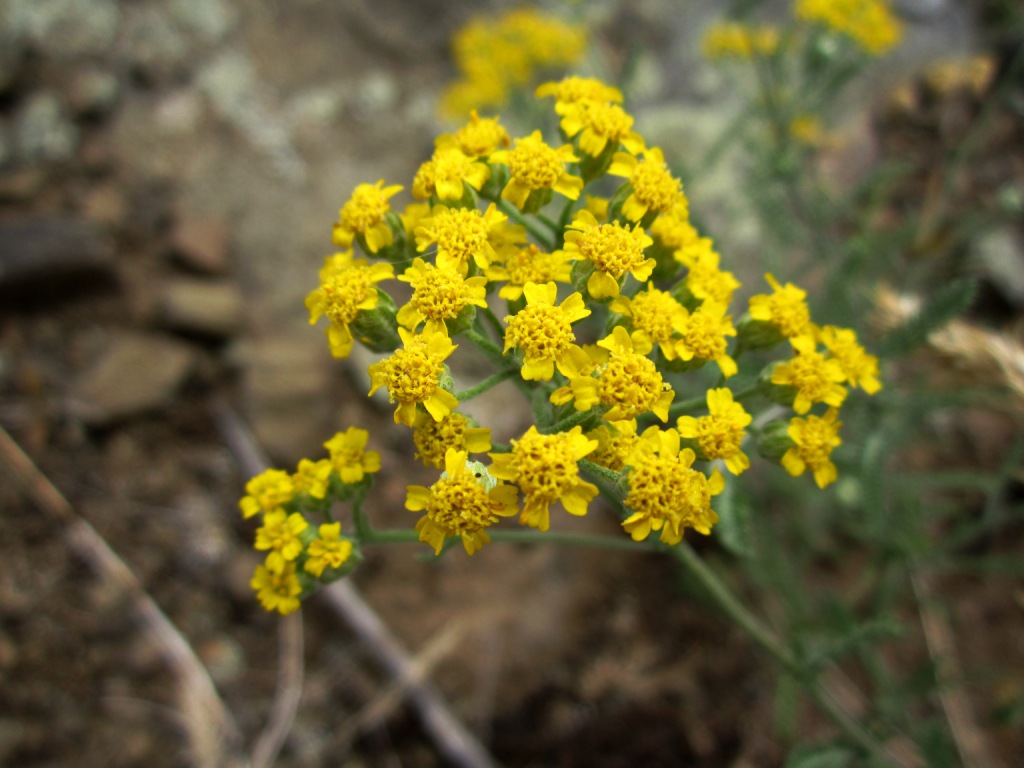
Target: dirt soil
column 168, row 176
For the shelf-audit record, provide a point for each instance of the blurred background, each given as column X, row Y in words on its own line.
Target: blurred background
column 169, row 174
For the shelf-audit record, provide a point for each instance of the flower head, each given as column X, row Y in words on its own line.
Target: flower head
column 665, row 493
column 519, row 266
column 535, row 166
column 813, row 438
column 814, row 378
column 720, row 433
column 481, row 136
column 615, row 444
column 460, row 504
column 574, row 89
column 363, row 214
column 280, row 534
column 447, row 174
column 626, row 382
column 546, row 469
column 461, row 234
column 328, row 550
column 705, row 336
column 704, row 279
column 612, row 248
column 543, row 331
column 434, row 438
column 869, row 23
column 785, row 308
column 652, row 185
column 672, row 228
column 349, row 456
column 438, row 294
column 347, row 287
column 655, row 316
column 412, row 376
column 277, row 590
column 266, row 492
column 860, row 368
column 600, row 124
column 313, row 477
column 742, row 41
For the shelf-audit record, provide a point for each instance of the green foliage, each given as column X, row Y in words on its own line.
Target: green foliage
column 949, row 302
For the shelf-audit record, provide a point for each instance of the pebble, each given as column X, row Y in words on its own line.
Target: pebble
column 137, row 372
column 201, row 242
column 52, row 247
column 196, row 305
column 1000, row 256
column 43, row 131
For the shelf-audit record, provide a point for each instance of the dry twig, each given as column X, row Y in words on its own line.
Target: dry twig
column 288, row 694
column 212, row 732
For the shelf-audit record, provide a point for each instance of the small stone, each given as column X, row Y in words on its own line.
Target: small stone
column 93, row 91
column 51, row 248
column 200, row 242
column 208, row 307
column 1000, row 256
column 137, row 372
column 43, row 131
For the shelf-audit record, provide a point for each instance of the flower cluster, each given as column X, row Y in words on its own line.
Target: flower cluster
column 298, row 553
column 599, row 309
column 869, row 23
column 496, row 55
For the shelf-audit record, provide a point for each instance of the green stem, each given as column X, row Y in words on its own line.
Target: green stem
column 596, row 470
column 620, row 543
column 486, row 384
column 517, row 216
column 363, row 530
column 492, row 319
column 730, row 605
column 486, row 345
column 573, row 419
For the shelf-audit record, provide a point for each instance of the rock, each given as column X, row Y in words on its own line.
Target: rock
column 208, row 307
column 52, row 248
column 1000, row 256
column 286, row 393
column 93, row 91
column 137, row 372
column 200, row 242
column 43, row 131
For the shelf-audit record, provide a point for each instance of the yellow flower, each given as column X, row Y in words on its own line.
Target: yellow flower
column 704, row 279
column 535, row 166
column 785, row 308
column 481, row 136
column 543, row 332
column 860, row 368
column 815, row 379
column 665, row 493
column 600, row 124
column 720, row 433
column 363, row 214
column 612, row 248
column 627, row 382
column 573, row 90
column 704, row 336
column 461, row 234
column 814, row 439
column 732, row 39
column 347, row 287
column 519, row 266
column 652, row 185
column 349, row 456
column 313, row 477
column 459, row 504
column 280, row 534
column 434, row 438
column 655, row 316
column 869, row 23
column 277, row 591
column 411, row 376
column 546, row 469
column 672, row 229
column 438, row 294
column 266, row 492
column 447, row 173
column 328, row 550
column 615, row 443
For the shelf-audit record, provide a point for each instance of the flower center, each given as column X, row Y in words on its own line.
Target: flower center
column 460, row 233
column 705, row 336
column 654, row 186
column 612, row 248
column 652, row 313
column 789, row 311
column 366, row 208
column 411, row 373
column 344, row 293
column 540, row 330
column 608, row 120
column 663, row 488
column 433, row 438
column 438, row 294
column 718, row 436
column 461, row 505
column 535, row 165
column 546, row 465
column 632, row 382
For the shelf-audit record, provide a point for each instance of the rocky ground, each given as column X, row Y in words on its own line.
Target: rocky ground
column 169, row 172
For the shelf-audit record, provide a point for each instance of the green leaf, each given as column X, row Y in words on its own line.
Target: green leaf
column 949, row 302
column 733, row 528
column 820, row 756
